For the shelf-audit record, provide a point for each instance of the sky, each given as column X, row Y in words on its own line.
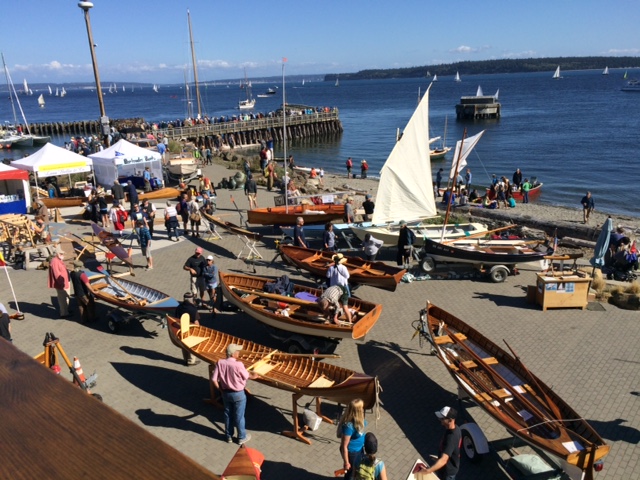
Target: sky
column 46, row 41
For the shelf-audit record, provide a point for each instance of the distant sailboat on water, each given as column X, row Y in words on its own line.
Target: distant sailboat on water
column 57, row 92
column 41, row 101
column 337, row 82
column 155, row 88
column 606, row 71
column 25, row 88
column 63, row 92
column 435, row 78
column 556, row 75
column 50, row 92
column 458, row 79
column 303, row 82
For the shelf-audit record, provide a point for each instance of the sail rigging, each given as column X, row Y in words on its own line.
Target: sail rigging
column 195, row 67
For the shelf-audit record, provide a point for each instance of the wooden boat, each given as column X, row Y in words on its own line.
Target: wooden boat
column 166, row 192
column 112, row 243
column 390, row 233
column 312, row 214
column 503, row 386
column 362, row 272
column 497, row 252
column 299, row 374
column 130, row 295
column 245, row 465
column 231, row 227
column 63, row 202
column 534, row 193
column 302, row 316
column 418, row 472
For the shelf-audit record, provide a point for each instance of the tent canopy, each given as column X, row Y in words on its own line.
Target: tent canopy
column 51, row 160
column 10, row 173
column 124, row 159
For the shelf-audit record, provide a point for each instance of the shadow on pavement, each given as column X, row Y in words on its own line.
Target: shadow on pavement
column 286, row 470
column 616, row 432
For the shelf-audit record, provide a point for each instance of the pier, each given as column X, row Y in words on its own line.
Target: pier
column 478, row 107
column 236, row 131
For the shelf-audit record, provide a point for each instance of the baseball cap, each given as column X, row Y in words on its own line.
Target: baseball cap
column 210, row 257
column 446, row 412
column 370, row 444
column 199, row 250
column 403, row 222
column 233, row 348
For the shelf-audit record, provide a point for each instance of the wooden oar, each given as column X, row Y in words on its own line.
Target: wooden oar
column 311, row 355
column 479, row 234
column 113, row 279
column 275, row 296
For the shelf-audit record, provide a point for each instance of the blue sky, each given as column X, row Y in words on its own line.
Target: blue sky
column 148, row 41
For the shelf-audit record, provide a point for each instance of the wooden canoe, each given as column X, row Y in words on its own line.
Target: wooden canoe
column 312, row 214
column 293, row 373
column 130, row 295
column 304, row 317
column 245, row 465
column 362, row 272
column 63, row 202
column 109, row 240
column 498, row 252
column 231, row 227
column 167, row 192
column 517, row 195
column 503, row 386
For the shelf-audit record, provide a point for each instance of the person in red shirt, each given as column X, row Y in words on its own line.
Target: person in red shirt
column 59, row 279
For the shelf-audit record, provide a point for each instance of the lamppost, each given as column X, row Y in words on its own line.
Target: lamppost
column 104, row 120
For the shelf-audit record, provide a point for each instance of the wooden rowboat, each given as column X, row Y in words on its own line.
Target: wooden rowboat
column 362, row 272
column 167, row 192
column 312, row 214
column 129, row 295
column 299, row 374
column 302, row 316
column 109, row 240
column 231, row 227
column 503, row 386
column 63, row 202
column 245, row 465
column 534, row 193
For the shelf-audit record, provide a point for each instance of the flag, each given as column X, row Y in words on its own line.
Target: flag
column 284, row 59
column 2, row 262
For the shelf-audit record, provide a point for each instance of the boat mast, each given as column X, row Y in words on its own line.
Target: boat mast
column 453, row 185
column 195, row 67
column 13, row 89
column 284, row 136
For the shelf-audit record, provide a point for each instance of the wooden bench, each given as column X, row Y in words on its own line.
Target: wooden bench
column 502, row 393
column 488, row 361
column 185, row 328
column 443, row 339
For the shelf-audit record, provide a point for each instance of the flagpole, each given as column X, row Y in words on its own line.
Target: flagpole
column 284, row 136
column 453, row 186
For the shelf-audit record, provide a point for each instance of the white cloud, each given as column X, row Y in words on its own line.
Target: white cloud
column 463, row 49
column 623, row 51
column 525, row 54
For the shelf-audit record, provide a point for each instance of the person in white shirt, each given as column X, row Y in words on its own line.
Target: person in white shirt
column 338, row 274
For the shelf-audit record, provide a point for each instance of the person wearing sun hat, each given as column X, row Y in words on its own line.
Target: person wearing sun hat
column 338, row 273
column 449, row 445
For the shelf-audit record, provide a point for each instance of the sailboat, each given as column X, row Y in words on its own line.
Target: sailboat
column 249, row 102
column 155, row 88
column 41, row 100
column 303, row 82
column 403, row 193
column 50, row 91
column 556, row 75
column 606, row 71
column 337, row 82
column 457, row 79
column 435, row 78
column 25, row 88
column 63, row 92
column 440, row 153
column 57, row 92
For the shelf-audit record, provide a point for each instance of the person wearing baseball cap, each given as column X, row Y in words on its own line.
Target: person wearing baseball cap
column 187, row 307
column 230, row 378
column 449, row 445
column 195, row 266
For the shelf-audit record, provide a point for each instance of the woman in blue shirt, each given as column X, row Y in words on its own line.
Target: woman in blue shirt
column 352, row 426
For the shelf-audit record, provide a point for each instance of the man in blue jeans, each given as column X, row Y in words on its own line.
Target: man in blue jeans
column 230, row 377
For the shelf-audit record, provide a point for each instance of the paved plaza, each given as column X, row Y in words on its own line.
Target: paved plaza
column 591, row 358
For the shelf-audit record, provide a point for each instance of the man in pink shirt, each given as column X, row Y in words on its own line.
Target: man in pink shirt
column 230, row 377
column 59, row 279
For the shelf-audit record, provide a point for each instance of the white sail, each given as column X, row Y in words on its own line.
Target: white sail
column 155, row 88
column 50, row 92
column 468, row 145
column 405, row 191
column 41, row 100
column 557, row 73
column 497, row 95
column 337, row 82
column 457, row 79
column 25, row 87
column 479, row 92
column 63, row 92
column 57, row 92
column 435, row 78
column 606, row 71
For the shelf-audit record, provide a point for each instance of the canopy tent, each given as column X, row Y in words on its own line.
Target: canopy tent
column 124, row 159
column 14, row 190
column 52, row 161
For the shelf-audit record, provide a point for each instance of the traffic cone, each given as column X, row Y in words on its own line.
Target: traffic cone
column 80, row 374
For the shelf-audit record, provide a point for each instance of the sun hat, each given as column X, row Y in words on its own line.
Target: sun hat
column 339, row 258
column 233, row 348
column 446, row 412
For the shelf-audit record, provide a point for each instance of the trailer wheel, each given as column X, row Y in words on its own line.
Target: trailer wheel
column 428, row 264
column 287, row 240
column 498, row 273
column 112, row 323
column 469, row 447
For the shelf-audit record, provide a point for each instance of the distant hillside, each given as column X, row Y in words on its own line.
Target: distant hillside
column 493, row 66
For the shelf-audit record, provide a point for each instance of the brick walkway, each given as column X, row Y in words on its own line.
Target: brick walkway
column 589, row 357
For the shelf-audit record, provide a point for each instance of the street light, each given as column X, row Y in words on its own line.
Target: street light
column 104, row 120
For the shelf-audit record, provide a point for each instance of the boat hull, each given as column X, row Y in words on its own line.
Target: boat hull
column 167, row 192
column 234, row 285
column 495, row 254
column 501, row 385
column 439, row 153
column 362, row 272
column 294, row 373
column 112, row 243
column 389, row 234
column 312, row 214
column 232, row 227
column 534, row 193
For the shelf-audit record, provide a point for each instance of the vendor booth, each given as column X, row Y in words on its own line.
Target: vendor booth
column 53, row 161
column 125, row 161
column 14, row 190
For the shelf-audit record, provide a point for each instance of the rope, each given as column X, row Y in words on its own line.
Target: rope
column 377, row 404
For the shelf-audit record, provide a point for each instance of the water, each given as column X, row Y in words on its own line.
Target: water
column 575, row 134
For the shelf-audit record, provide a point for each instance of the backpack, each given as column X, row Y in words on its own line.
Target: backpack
column 366, row 470
column 349, row 163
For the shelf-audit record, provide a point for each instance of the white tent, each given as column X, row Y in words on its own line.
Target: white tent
column 14, row 190
column 124, row 159
column 51, row 161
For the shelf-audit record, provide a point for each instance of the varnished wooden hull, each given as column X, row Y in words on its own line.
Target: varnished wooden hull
column 312, row 214
column 167, row 192
column 304, row 318
column 112, row 243
column 64, row 202
column 362, row 272
column 552, row 421
column 231, row 227
column 293, row 373
column 494, row 254
column 245, row 465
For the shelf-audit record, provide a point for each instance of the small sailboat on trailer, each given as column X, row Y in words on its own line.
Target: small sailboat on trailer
column 298, row 313
column 299, row 374
column 505, row 389
column 362, row 272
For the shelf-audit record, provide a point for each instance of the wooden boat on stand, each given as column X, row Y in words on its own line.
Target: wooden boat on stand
column 109, row 240
column 312, row 214
column 505, row 388
column 299, row 374
column 297, row 315
column 231, row 227
column 362, row 272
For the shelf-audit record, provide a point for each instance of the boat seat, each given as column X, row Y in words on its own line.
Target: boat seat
column 501, row 393
column 185, row 328
column 249, row 298
column 442, row 339
column 321, row 382
column 488, row 361
column 262, row 367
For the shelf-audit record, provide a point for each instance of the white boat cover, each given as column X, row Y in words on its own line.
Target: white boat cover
column 405, row 191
